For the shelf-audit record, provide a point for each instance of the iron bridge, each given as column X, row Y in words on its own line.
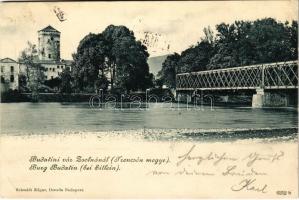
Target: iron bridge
column 283, row 75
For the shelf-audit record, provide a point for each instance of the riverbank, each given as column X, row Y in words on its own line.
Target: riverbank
column 167, row 164
column 183, row 135
column 15, row 96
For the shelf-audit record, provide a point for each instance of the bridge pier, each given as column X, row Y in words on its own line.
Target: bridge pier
column 183, row 97
column 267, row 99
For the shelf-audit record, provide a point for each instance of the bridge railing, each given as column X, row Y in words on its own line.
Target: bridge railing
column 268, row 76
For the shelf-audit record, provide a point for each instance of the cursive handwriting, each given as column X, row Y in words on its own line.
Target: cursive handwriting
column 233, row 170
column 253, row 157
column 248, row 184
column 217, row 158
column 193, row 172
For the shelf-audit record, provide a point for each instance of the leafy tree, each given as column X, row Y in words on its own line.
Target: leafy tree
column 196, row 58
column 167, row 75
column 22, row 83
column 34, row 71
column 65, row 81
column 89, row 61
column 237, row 44
column 271, row 40
column 117, row 55
column 251, row 42
column 293, row 36
column 226, row 53
column 127, row 59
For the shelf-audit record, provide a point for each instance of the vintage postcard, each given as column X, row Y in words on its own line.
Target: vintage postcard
column 149, row 99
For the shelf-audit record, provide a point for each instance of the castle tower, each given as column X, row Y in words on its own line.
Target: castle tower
column 49, row 44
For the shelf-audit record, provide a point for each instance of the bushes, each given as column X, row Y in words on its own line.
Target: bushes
column 13, row 96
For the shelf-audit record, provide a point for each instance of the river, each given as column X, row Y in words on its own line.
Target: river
column 44, row 118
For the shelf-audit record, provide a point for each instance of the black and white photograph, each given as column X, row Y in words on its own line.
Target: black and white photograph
column 149, row 99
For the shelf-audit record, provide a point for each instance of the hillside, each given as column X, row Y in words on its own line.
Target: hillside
column 155, row 63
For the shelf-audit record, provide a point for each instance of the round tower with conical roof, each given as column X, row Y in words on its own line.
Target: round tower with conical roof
column 49, row 44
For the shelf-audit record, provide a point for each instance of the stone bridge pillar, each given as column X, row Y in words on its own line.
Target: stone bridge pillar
column 269, row 99
column 183, row 97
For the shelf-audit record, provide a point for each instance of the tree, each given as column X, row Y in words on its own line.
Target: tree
column 271, row 41
column 117, row 55
column 65, row 81
column 196, row 58
column 167, row 75
column 89, row 61
column 226, row 52
column 293, row 36
column 127, row 59
column 22, row 83
column 252, row 42
column 237, row 44
column 34, row 71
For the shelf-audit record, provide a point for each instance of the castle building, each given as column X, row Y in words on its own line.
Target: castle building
column 48, row 56
column 49, row 44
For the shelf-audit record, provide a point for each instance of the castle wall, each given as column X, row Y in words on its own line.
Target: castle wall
column 53, row 69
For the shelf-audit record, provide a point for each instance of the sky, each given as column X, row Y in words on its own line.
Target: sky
column 168, row 26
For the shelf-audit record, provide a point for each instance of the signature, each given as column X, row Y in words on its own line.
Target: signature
column 249, row 184
column 217, row 158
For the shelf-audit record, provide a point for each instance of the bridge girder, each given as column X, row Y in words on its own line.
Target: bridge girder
column 283, row 75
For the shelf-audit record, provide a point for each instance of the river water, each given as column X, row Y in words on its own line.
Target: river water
column 43, row 118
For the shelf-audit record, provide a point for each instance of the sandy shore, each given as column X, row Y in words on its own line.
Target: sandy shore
column 203, row 135
column 148, row 164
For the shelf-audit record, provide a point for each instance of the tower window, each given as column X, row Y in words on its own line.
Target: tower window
column 52, row 38
column 12, row 78
column 2, row 79
column 2, row 68
column 53, row 69
column 49, row 56
column 11, row 69
column 58, row 66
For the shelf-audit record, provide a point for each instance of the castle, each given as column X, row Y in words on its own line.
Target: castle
column 48, row 56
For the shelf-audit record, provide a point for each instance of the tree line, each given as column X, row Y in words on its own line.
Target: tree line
column 238, row 44
column 111, row 58
column 115, row 59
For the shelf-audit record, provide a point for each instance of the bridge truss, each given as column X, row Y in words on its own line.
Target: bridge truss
column 283, row 75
